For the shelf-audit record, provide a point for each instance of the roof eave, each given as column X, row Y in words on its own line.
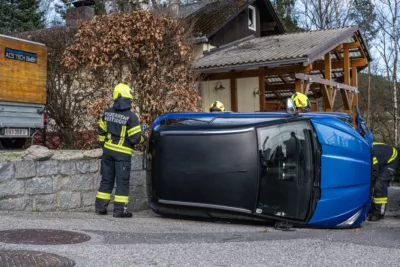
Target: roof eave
column 332, row 44
column 268, row 64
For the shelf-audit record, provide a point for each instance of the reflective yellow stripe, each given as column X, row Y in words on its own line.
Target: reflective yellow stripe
column 141, row 139
column 118, row 148
column 101, row 138
column 381, row 200
column 103, row 195
column 109, row 138
column 134, row 130
column 394, row 155
column 375, row 160
column 103, row 125
column 123, row 199
column 377, row 143
column 122, row 136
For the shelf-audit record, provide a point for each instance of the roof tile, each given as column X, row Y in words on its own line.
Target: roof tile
column 294, row 46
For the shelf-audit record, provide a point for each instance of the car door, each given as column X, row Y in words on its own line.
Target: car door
column 362, row 127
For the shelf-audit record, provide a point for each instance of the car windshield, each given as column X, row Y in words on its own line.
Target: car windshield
column 286, row 169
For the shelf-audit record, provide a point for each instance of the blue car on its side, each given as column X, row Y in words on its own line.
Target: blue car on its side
column 310, row 169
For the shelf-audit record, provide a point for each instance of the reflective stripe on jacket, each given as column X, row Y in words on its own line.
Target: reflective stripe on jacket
column 119, row 129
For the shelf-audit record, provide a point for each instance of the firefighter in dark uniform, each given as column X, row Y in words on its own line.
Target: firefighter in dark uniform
column 385, row 163
column 119, row 131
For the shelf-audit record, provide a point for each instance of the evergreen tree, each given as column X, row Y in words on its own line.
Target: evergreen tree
column 285, row 11
column 20, row 16
column 364, row 15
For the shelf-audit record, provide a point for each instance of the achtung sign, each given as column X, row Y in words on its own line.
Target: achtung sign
column 20, row 55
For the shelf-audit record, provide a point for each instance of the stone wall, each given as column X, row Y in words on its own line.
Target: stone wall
column 62, row 184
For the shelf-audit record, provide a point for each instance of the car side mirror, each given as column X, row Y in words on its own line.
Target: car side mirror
column 290, row 106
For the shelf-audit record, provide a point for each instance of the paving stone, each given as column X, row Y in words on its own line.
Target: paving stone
column 88, row 198
column 42, row 185
column 7, row 172
column 44, row 202
column 47, row 168
column 69, row 200
column 25, row 169
column 61, row 183
column 68, row 167
column 87, row 166
column 82, row 181
column 137, row 161
column 137, row 178
column 11, row 188
column 16, row 204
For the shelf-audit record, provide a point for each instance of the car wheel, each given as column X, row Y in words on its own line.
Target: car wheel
column 13, row 143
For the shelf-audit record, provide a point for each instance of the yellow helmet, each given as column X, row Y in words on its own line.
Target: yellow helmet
column 301, row 100
column 217, row 106
column 122, row 90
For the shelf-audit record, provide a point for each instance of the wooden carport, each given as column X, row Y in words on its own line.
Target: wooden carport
column 321, row 64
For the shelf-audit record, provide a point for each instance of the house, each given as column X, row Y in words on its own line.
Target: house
column 249, row 63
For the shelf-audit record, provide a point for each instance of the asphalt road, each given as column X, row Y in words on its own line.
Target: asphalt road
column 149, row 240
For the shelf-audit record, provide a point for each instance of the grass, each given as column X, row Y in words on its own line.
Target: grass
column 9, row 157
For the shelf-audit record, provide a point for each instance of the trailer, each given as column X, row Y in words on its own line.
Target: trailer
column 23, row 78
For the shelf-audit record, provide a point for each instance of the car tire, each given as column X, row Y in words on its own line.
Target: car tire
column 13, row 143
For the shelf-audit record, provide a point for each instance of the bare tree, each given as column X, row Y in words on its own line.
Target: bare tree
column 324, row 14
column 388, row 16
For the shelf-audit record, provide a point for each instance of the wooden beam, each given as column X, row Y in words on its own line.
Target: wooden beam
column 312, row 79
column 339, row 47
column 327, row 90
column 299, row 86
column 351, row 45
column 346, row 71
column 234, row 98
column 257, row 72
column 340, row 64
column 361, row 48
column 327, row 97
column 261, row 89
column 354, row 82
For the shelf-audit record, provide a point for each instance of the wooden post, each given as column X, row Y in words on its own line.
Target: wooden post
column 299, row 87
column 354, row 82
column 261, row 89
column 328, row 105
column 346, row 70
column 234, row 99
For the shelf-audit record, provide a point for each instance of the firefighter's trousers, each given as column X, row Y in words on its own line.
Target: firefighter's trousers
column 115, row 166
column 381, row 185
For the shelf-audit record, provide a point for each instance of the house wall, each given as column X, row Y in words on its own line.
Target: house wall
column 209, row 94
column 236, row 29
column 200, row 48
column 247, row 101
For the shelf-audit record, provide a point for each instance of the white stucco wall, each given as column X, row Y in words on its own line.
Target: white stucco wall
column 200, row 48
column 247, row 101
column 209, row 94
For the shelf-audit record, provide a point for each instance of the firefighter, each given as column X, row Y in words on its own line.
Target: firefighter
column 217, row 107
column 385, row 163
column 119, row 131
column 301, row 101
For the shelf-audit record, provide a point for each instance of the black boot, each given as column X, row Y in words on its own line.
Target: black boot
column 101, row 206
column 122, row 212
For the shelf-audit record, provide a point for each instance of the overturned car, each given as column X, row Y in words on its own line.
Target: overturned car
column 310, row 169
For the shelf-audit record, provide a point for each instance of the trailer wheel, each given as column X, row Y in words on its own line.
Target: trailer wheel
column 13, row 143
